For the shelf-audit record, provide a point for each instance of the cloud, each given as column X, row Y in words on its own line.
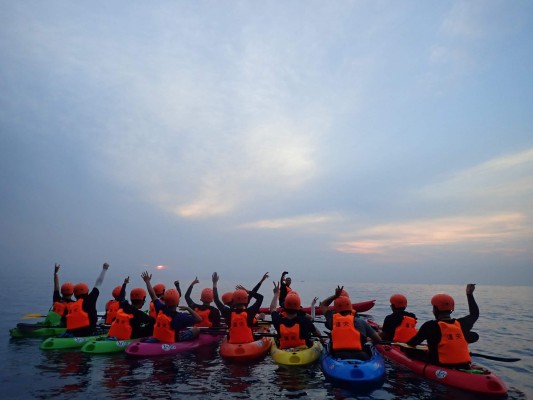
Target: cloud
column 381, row 239
column 299, row 222
column 494, row 203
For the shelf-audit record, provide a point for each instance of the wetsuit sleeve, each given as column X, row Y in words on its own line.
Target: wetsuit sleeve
column 467, row 323
column 188, row 299
column 56, row 296
column 225, row 311
column 388, row 328
column 158, row 305
column 122, row 295
column 275, row 320
column 214, row 316
column 258, row 301
column 423, row 334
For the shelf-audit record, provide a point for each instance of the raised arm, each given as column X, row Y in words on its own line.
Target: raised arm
column 324, row 305
column 146, row 278
column 473, row 309
column 56, row 278
column 274, row 301
column 177, row 285
column 188, row 299
column 122, row 295
column 100, row 278
column 256, row 287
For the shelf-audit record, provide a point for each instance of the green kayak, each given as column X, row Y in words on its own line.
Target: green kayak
column 38, row 332
column 104, row 346
column 58, row 343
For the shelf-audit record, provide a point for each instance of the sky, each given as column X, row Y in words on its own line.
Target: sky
column 346, row 141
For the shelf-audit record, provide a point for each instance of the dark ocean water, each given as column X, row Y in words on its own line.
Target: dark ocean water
column 505, row 327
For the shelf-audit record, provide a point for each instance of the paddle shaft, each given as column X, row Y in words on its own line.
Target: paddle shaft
column 480, row 355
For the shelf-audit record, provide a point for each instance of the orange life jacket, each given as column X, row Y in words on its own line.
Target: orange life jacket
column 288, row 289
column 163, row 330
column 239, row 331
column 453, row 347
column 59, row 308
column 111, row 309
column 121, row 326
column 76, row 316
column 152, row 312
column 406, row 330
column 344, row 336
column 290, row 337
column 205, row 317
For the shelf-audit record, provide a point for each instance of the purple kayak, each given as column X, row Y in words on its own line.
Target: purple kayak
column 143, row 348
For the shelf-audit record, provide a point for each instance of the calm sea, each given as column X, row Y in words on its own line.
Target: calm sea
column 505, row 327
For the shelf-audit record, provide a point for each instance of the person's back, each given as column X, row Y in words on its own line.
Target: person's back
column 400, row 325
column 82, row 315
column 447, row 337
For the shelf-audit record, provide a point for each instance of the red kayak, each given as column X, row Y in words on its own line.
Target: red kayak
column 476, row 379
column 359, row 307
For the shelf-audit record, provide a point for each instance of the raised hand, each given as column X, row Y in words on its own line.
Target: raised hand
column 105, row 266
column 276, row 287
column 215, row 277
column 146, row 276
column 470, row 288
column 127, row 280
column 265, row 276
column 338, row 291
column 56, row 268
column 195, row 281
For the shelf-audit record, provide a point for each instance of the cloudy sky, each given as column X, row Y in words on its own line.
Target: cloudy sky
column 360, row 141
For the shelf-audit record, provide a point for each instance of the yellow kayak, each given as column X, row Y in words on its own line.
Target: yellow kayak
column 297, row 356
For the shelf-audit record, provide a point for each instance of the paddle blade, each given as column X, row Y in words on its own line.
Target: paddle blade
column 495, row 358
column 34, row 315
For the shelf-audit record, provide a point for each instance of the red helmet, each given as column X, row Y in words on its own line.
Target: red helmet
column 292, row 301
column 171, row 297
column 344, row 293
column 240, row 296
column 67, row 289
column 227, row 298
column 116, row 292
column 80, row 289
column 137, row 294
column 159, row 289
column 207, row 295
column 398, row 300
column 342, row 303
column 443, row 302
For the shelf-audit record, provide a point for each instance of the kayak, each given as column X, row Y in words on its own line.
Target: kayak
column 354, row 373
column 105, row 346
column 58, row 343
column 245, row 352
column 41, row 332
column 359, row 307
column 143, row 348
column 477, row 379
column 297, row 356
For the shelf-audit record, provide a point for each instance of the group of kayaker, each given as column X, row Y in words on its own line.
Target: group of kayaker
column 447, row 338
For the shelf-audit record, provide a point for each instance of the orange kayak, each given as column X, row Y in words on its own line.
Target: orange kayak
column 245, row 352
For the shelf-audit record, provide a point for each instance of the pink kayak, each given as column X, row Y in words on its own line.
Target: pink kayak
column 476, row 379
column 143, row 348
column 359, row 307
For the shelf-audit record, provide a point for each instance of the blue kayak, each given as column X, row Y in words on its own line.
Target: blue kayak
column 353, row 373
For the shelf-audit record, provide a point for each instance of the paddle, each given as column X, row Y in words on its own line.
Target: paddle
column 480, row 355
column 35, row 315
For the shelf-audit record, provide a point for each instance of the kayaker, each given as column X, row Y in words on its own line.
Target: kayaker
column 285, row 287
column 349, row 332
column 59, row 301
column 82, row 315
column 447, row 337
column 171, row 325
column 239, row 316
column 112, row 306
column 159, row 289
column 130, row 321
column 292, row 325
column 260, row 316
column 210, row 315
column 400, row 325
